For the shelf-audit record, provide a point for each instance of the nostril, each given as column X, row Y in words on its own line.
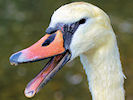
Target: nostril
column 49, row 40
column 14, row 58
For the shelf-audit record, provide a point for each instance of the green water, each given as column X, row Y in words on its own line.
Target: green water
column 23, row 22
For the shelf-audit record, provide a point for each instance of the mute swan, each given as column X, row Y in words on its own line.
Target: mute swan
column 78, row 29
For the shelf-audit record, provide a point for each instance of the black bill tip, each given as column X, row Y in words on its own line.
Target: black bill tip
column 14, row 58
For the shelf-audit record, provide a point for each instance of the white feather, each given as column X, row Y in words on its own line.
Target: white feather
column 95, row 43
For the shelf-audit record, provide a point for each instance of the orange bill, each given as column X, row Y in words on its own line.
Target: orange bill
column 47, row 46
column 51, row 68
column 51, row 45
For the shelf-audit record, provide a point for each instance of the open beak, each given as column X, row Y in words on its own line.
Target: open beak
column 51, row 45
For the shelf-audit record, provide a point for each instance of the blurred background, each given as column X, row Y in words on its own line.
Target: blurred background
column 23, row 22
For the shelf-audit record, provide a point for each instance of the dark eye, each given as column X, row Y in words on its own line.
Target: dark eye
column 82, row 21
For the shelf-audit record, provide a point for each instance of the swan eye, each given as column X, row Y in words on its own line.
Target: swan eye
column 82, row 21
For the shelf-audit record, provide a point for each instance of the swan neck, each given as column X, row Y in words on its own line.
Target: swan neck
column 104, row 72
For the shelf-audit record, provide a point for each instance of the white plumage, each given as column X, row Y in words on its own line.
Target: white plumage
column 96, row 44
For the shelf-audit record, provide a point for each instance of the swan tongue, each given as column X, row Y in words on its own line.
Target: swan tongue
column 51, row 68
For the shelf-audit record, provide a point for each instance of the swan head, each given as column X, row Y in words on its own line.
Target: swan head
column 74, row 29
column 93, row 29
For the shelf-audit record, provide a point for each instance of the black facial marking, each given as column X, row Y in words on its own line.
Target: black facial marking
column 49, row 40
column 51, row 30
column 67, row 36
column 71, row 28
column 67, row 29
